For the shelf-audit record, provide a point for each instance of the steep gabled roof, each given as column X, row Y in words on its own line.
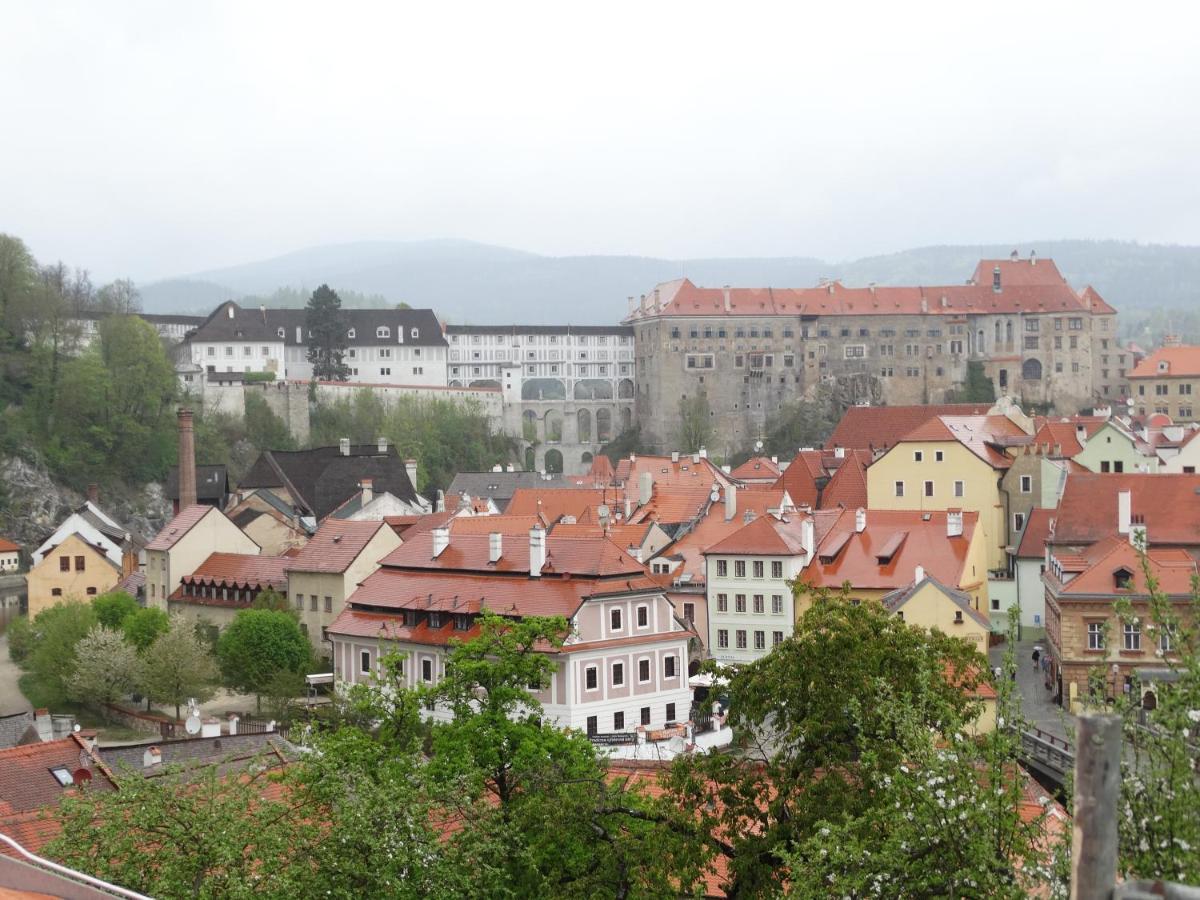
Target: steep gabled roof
column 175, row 530
column 880, row 427
column 1169, row 505
column 1179, row 362
column 897, row 599
column 848, row 486
column 1038, row 529
column 1173, row 569
column 241, row 570
column 756, row 468
column 766, row 535
column 337, row 544
column 982, row 435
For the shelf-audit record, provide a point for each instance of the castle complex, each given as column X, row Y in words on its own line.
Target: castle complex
column 749, row 351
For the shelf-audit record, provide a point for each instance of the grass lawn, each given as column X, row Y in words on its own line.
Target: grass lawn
column 86, row 716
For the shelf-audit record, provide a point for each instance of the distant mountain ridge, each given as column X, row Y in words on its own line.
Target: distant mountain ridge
column 467, row 282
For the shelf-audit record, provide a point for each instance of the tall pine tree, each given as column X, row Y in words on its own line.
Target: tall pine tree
column 326, row 336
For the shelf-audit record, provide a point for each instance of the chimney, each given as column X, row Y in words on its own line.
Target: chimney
column 93, row 494
column 808, row 538
column 187, row 460
column 657, row 301
column 43, row 723
column 674, row 456
column 996, row 279
column 152, row 757
column 954, row 523
column 728, row 304
column 233, row 723
column 1033, row 257
column 1081, row 433
column 730, row 503
column 1124, row 511
column 1014, row 256
column 497, row 468
column 839, row 452
column 1138, row 537
column 696, row 457
column 344, row 446
column 367, row 486
column 537, row 551
column 704, row 453
column 860, row 520
column 919, row 575
column 129, row 557
column 262, row 311
column 441, row 540
column 381, row 445
column 495, row 547
column 645, row 488
column 603, row 513
column 410, row 469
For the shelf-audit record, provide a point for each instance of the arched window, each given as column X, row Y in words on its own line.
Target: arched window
column 584, row 424
column 586, row 459
column 1008, row 332
column 626, row 419
column 554, row 426
column 593, row 389
column 1031, row 370
column 554, row 461
column 625, row 389
column 543, row 389
column 997, row 331
column 603, row 425
column 485, row 383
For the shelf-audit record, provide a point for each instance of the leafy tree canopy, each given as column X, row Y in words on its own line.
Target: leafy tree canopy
column 113, row 608
column 257, row 644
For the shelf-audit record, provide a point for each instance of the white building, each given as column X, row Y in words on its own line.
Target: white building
column 750, row 603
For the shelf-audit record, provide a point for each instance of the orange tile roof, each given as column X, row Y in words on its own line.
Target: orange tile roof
column 848, row 486
column 1181, row 362
column 1169, row 505
column 1038, row 528
column 691, row 470
column 1065, row 434
column 7, row 546
column 979, row 434
column 844, row 555
column 674, row 504
column 470, row 552
column 766, row 535
column 26, row 781
column 504, row 524
column 337, row 543
column 601, row 469
column 554, row 503
column 621, row 535
column 757, row 467
column 1173, row 569
column 879, row 427
column 241, row 570
column 178, row 527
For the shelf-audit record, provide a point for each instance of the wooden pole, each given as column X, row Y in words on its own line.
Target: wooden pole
column 1097, row 789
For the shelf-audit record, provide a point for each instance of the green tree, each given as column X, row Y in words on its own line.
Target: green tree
column 257, row 644
column 264, row 429
column 56, row 632
column 977, row 388
column 801, row 423
column 120, row 298
column 855, row 698
column 106, row 669
column 144, row 626
column 326, row 328
column 17, row 273
column 177, row 666
column 695, row 424
column 113, row 608
column 270, row 598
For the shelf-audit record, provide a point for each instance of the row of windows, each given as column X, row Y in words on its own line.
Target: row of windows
column 58, row 592
column 642, row 613
column 960, row 489
column 618, row 720
column 1162, row 390
column 758, row 601
column 739, row 636
column 64, row 563
column 364, row 666
column 591, row 674
column 501, row 340
column 1131, row 637
column 757, row 568
column 299, row 601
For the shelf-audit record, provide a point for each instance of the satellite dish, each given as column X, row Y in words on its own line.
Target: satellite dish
column 81, row 776
column 715, row 495
column 192, row 725
column 757, row 446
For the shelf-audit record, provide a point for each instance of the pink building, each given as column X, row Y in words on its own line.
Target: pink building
column 624, row 663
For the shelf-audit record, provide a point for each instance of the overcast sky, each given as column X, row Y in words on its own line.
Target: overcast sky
column 154, row 139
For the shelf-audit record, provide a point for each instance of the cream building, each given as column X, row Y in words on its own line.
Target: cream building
column 72, row 569
column 184, row 543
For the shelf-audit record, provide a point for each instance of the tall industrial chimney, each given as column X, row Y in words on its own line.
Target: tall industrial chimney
column 187, row 460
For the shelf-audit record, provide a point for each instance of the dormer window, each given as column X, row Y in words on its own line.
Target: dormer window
column 383, row 332
column 1123, row 579
column 415, row 333
column 279, row 333
column 351, row 334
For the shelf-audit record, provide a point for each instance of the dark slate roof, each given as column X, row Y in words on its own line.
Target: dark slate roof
column 263, row 325
column 212, row 483
column 620, row 330
column 500, row 486
column 229, row 751
column 14, row 729
column 116, row 535
column 321, row 479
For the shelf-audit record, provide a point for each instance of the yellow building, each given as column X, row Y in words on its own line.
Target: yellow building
column 929, row 604
column 950, row 462
column 72, row 569
column 184, row 543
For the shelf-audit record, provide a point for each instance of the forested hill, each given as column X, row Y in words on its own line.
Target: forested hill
column 478, row 283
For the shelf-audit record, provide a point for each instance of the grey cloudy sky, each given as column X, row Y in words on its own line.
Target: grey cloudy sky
column 153, row 139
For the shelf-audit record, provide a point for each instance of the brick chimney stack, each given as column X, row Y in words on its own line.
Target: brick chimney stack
column 187, row 460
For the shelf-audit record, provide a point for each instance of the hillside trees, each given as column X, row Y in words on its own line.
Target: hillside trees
column 326, row 327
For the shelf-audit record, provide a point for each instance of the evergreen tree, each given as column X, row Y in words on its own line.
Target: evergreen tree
column 326, row 336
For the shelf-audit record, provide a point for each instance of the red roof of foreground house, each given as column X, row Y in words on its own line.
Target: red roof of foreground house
column 879, row 427
column 337, row 543
column 174, row 531
column 27, row 780
column 1114, row 557
column 7, row 546
column 1168, row 504
column 767, row 535
column 240, row 570
column 674, row 504
column 470, row 552
column 756, row 468
column 886, row 554
column 1038, row 529
column 848, row 486
column 1179, row 362
column 979, row 434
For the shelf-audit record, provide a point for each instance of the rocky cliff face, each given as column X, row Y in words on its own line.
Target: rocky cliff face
column 32, row 504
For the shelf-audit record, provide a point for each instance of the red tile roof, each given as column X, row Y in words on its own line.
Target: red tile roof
column 689, row 470
column 1024, row 272
column 1173, row 569
column 470, row 552
column 848, row 486
column 554, row 503
column 241, row 570
column 601, row 469
column 979, row 434
column 1181, row 362
column 174, row 531
column 1169, row 505
column 757, row 467
column 844, row 555
column 674, row 504
column 26, row 781
column 337, row 543
column 766, row 535
column 503, row 524
column 7, row 546
column 1038, row 528
column 879, row 427
column 1065, row 434
column 621, row 535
